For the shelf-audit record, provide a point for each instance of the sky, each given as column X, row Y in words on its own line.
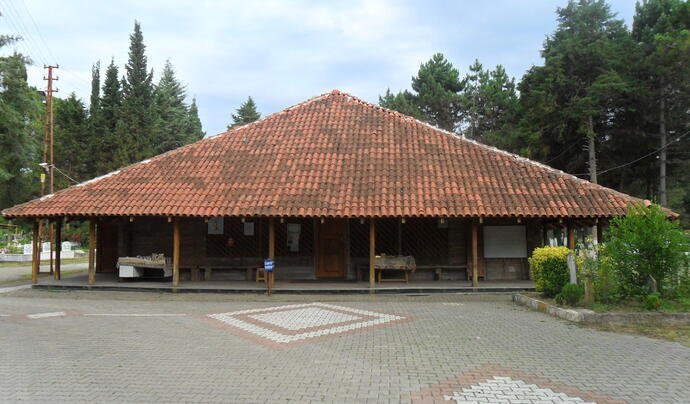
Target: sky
column 280, row 52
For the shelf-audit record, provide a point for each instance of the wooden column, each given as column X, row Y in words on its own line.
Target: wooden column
column 571, row 236
column 176, row 253
column 271, row 238
column 271, row 252
column 475, row 253
column 372, row 253
column 35, row 252
column 92, row 252
column 58, row 248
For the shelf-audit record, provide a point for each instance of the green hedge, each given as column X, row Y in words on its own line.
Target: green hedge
column 549, row 268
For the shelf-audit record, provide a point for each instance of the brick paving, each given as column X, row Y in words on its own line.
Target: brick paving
column 119, row 347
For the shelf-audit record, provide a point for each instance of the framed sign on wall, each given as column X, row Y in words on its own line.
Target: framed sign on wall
column 505, row 242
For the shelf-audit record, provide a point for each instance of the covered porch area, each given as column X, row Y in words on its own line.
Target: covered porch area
column 336, row 254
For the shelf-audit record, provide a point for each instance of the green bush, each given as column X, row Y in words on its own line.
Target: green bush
column 549, row 269
column 652, row 302
column 570, row 294
column 644, row 244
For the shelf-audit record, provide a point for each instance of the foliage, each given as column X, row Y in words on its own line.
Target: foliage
column 644, row 244
column 172, row 126
column 549, row 269
column 246, row 113
column 20, row 126
column 134, row 128
column 571, row 294
column 652, row 302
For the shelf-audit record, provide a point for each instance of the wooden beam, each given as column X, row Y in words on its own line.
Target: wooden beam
column 176, row 253
column 92, row 251
column 58, row 247
column 372, row 253
column 475, row 253
column 571, row 236
column 35, row 252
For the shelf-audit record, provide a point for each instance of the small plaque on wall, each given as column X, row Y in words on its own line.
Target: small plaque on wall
column 215, row 225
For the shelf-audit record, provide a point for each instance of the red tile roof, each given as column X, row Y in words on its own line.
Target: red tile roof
column 334, row 155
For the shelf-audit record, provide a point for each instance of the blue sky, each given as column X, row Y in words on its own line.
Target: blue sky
column 281, row 52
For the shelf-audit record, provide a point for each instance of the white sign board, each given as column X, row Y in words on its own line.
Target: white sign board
column 28, row 248
column 248, row 228
column 505, row 242
column 45, row 247
column 66, row 246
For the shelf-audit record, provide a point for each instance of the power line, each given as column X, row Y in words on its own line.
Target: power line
column 678, row 139
column 18, row 25
column 38, row 31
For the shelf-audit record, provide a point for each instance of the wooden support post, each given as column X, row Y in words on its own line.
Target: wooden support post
column 571, row 236
column 271, row 252
column 475, row 253
column 176, row 253
column 58, row 248
column 92, row 252
column 35, row 252
column 372, row 254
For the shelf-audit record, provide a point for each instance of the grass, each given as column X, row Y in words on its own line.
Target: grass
column 679, row 305
column 675, row 333
column 28, row 263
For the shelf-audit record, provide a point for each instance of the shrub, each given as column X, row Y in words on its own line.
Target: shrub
column 549, row 269
column 644, row 244
column 652, row 302
column 570, row 294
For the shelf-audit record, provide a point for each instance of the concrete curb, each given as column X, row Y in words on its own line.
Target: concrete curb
column 566, row 314
column 604, row 319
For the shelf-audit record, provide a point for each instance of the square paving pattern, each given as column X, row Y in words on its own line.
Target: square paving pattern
column 281, row 325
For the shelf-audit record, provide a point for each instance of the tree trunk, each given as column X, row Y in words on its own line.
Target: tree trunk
column 591, row 146
column 662, row 145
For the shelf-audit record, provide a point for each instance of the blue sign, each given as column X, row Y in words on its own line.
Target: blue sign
column 268, row 265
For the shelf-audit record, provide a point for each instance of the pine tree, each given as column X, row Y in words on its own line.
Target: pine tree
column 171, row 112
column 662, row 30
column 193, row 128
column 489, row 105
column 20, row 129
column 403, row 102
column 72, row 134
column 134, row 128
column 437, row 85
column 435, row 99
column 575, row 99
column 246, row 113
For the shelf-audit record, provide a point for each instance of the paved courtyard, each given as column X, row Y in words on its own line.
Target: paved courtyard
column 148, row 347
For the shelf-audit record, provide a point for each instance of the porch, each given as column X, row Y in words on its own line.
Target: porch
column 109, row 282
column 225, row 253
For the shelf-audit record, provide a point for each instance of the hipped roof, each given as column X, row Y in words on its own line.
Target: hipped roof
column 334, row 156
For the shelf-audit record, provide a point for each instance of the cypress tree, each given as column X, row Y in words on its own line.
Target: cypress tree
column 246, row 113
column 110, row 104
column 134, row 128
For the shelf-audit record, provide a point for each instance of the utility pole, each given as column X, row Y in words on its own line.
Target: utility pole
column 48, row 149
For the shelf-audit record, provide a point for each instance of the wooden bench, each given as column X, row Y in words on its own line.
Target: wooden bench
column 438, row 269
column 248, row 270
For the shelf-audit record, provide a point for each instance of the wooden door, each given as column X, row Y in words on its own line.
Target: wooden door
column 330, row 252
column 107, row 247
